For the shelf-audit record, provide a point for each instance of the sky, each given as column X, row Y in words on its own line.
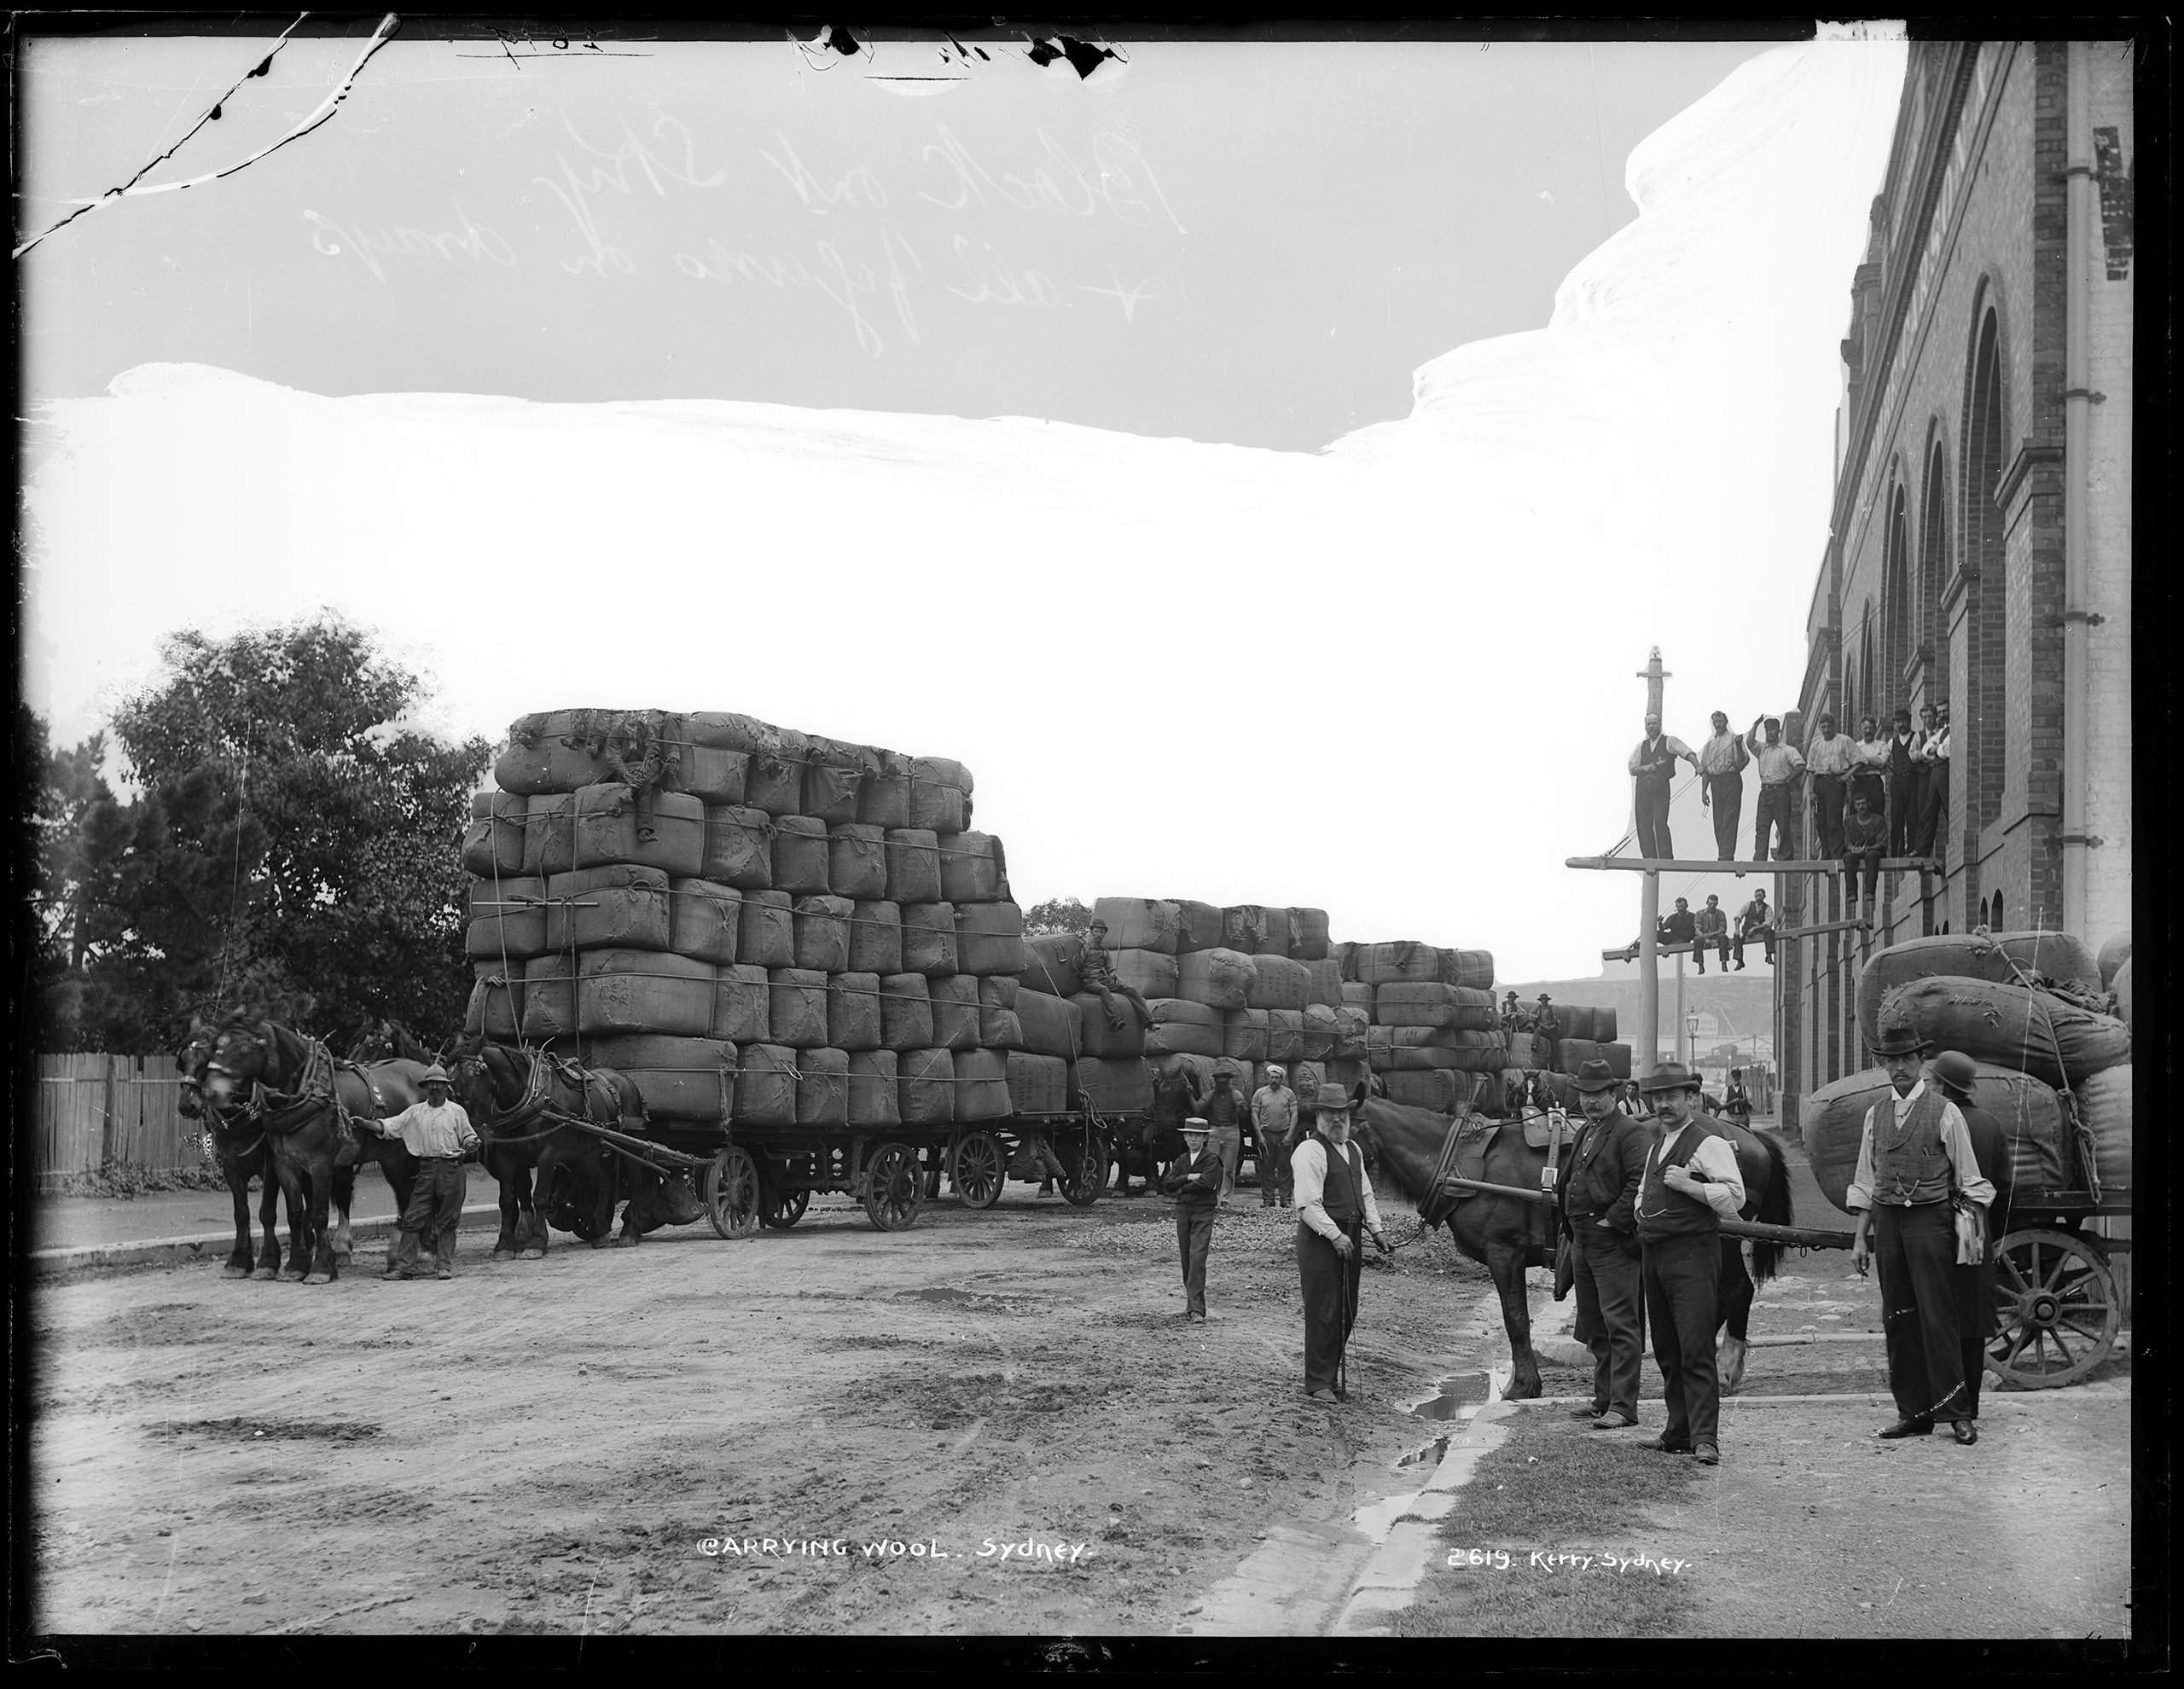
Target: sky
column 1266, row 466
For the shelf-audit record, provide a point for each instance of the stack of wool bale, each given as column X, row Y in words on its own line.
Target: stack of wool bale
column 2054, row 1060
column 783, row 930
column 1431, row 1032
column 1584, row 1034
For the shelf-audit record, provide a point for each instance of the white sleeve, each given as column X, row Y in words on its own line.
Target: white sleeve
column 1717, row 1157
column 1308, row 1171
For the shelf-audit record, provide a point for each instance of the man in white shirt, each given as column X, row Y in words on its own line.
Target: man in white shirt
column 1829, row 757
column 1721, row 766
column 1652, row 765
column 1334, row 1204
column 1274, row 1119
column 1690, row 1184
column 1914, row 1160
column 437, row 1132
column 1780, row 765
column 1933, row 757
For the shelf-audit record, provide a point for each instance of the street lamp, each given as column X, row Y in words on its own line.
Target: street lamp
column 1691, row 1038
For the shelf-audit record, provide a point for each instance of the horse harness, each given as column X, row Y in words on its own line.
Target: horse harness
column 278, row 1113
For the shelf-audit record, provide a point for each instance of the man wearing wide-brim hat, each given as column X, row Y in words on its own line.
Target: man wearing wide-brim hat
column 1915, row 1163
column 1335, row 1205
column 1194, row 1181
column 1691, row 1183
column 437, row 1132
column 1599, row 1200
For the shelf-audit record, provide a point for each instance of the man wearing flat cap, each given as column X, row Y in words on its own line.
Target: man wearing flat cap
column 1335, row 1205
column 1095, row 973
column 1915, row 1162
column 1691, row 1183
column 437, row 1132
column 1600, row 1199
column 1194, row 1182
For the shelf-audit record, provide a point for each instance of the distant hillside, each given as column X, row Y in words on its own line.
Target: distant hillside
column 1743, row 1003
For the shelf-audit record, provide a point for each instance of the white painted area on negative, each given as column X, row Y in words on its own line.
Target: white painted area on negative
column 1423, row 640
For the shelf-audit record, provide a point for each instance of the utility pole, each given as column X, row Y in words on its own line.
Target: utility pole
column 1649, row 904
column 1683, row 1054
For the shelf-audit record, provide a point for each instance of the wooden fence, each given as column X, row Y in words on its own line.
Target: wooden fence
column 94, row 1111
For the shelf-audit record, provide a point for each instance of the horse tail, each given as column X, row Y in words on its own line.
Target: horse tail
column 1775, row 1208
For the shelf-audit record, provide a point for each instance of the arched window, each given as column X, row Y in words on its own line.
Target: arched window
column 1865, row 694
column 1987, row 702
column 1934, row 570
column 1897, row 639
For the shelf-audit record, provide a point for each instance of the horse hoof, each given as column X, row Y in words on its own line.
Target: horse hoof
column 268, row 1274
column 231, row 1271
column 504, row 1255
column 317, row 1278
column 533, row 1255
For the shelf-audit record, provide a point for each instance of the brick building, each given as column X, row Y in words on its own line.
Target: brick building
column 1981, row 544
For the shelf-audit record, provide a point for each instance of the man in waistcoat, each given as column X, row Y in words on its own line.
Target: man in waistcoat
column 1955, row 1073
column 1195, row 1183
column 1691, row 1183
column 1335, row 1205
column 1906, row 784
column 1600, row 1199
column 1915, row 1155
column 1653, row 766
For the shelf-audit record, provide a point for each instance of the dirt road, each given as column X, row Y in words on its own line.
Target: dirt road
column 992, row 1423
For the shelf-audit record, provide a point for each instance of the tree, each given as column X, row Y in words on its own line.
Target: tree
column 1057, row 914
column 295, row 846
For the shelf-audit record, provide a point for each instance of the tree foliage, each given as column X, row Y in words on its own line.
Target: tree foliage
column 1057, row 914
column 294, row 845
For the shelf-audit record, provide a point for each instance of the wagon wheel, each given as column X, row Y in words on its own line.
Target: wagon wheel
column 1088, row 1178
column 2055, row 1308
column 894, row 1188
column 732, row 1191
column 783, row 1208
column 980, row 1170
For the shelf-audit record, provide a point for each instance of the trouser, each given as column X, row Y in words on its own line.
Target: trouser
column 1138, row 1005
column 1273, row 1162
column 1829, row 794
column 1852, row 877
column 1773, row 814
column 435, row 1211
column 1194, row 1243
column 1610, row 1311
column 1228, row 1143
column 1653, row 801
column 1933, row 811
column 1914, row 1252
column 1725, row 795
column 1907, row 798
column 1711, row 941
column 1681, row 1274
column 1975, row 1325
column 1330, row 1288
column 1764, row 934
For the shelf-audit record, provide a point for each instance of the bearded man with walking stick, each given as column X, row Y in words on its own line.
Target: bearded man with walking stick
column 1335, row 1205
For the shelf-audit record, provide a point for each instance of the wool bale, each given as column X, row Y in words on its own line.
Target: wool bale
column 1197, row 926
column 853, row 1017
column 1572, row 1053
column 1037, row 1084
column 558, row 751
column 1139, row 923
column 1181, row 1028
column 2113, row 954
column 1617, row 1056
column 1243, row 928
column 1219, row 979
column 1099, row 1035
column 1056, row 1026
column 1528, row 1051
column 2105, row 1102
column 715, row 775
column 1278, row 941
column 982, row 1085
column 1473, row 969
column 621, row 905
column 929, row 940
column 1350, row 1024
column 875, row 937
column 954, row 1010
column 1575, row 1020
column 989, row 938
column 1284, row 1035
column 1243, row 1034
column 721, row 730
column 679, row 1078
column 549, row 833
column 1111, row 1085
column 1604, row 1028
column 1426, row 1038
column 506, row 918
column 1350, row 1075
column 2122, row 986
column 884, row 800
column 857, row 861
column 1278, row 983
column 1998, row 957
column 704, row 919
column 940, row 794
column 1050, row 962
column 765, row 1086
column 833, row 774
column 874, row 1080
column 972, row 869
column 1443, row 1090
column 1323, row 983
column 796, row 1007
column 1322, row 1030
column 823, row 1088
column 1412, row 1059
column 1305, row 1078
column 1419, row 1003
column 1345, row 956
column 1000, row 1027
column 823, row 933
column 775, row 781
column 493, row 842
column 1147, row 972
column 800, row 849
column 765, row 930
column 1404, row 961
column 739, row 847
column 2029, row 1113
column 1357, row 995
column 905, row 1012
column 926, row 1087
column 743, row 1005
column 2053, row 1039
column 607, row 827
column 645, row 991
column 913, row 865
column 496, row 1009
column 549, row 997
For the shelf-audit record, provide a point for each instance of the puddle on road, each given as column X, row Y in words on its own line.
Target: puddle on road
column 939, row 1293
column 1457, row 1392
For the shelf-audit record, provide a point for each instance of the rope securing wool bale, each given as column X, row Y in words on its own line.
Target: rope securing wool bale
column 1000, row 1026
column 1052, row 1026
column 913, row 865
column 1197, row 926
column 1278, row 983
column 495, row 1008
column 493, row 842
column 1113, row 1085
column 766, row 930
column 1417, row 1003
column 853, row 1016
column 929, row 940
column 940, row 794
column 1244, row 1035
column 704, row 919
column 607, row 827
column 1285, row 1035
column 1351, row 1026
column 725, row 731
column 1308, row 935
column 549, row 997
column 1403, row 961
column 972, row 869
column 1357, row 995
column 1181, row 1028
column 765, row 1086
column 821, row 927
column 1472, row 969
column 739, row 847
column 954, row 1011
column 989, row 938
column 621, row 905
column 1220, row 979
column 905, row 1012
column 2056, row 1041
column 679, row 1078
column 1036, row 1084
column 876, row 938
column 800, row 852
column 857, row 861
column 872, row 1087
column 509, row 918
column 645, row 991
column 823, row 1088
column 926, row 1089
column 884, row 800
column 833, row 774
column 2104, row 1104
column 1139, row 923
column 2000, row 957
column 743, row 1005
column 776, row 780
column 1050, row 962
column 797, row 1007
column 1321, row 1029
column 714, row 775
column 558, row 751
column 1150, row 973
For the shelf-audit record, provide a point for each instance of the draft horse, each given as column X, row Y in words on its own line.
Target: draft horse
column 1505, row 1234
column 240, row 1149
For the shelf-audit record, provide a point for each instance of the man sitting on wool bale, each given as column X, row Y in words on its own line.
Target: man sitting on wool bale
column 1097, row 971
column 643, row 760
